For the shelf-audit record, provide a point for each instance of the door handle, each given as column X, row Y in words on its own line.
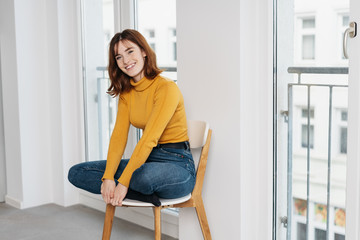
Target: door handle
column 351, row 31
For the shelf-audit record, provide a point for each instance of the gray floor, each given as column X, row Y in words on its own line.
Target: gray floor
column 53, row 222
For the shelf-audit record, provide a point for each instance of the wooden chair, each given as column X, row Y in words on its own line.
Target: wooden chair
column 199, row 135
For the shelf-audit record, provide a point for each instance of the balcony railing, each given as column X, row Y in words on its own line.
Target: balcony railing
column 306, row 106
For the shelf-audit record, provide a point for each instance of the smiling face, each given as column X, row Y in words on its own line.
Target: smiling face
column 130, row 59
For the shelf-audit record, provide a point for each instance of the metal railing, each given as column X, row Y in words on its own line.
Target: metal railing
column 300, row 71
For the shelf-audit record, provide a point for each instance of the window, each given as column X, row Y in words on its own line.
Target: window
column 340, row 217
column 320, row 234
column 345, row 21
column 301, row 231
column 100, row 109
column 344, row 115
column 156, row 19
column 308, row 47
column 304, row 113
column 98, row 28
column 343, row 131
column 320, row 214
column 307, row 39
column 304, row 128
column 100, row 20
column 308, row 23
column 304, row 138
column 150, row 37
column 173, row 49
column 343, row 140
column 317, row 221
column 339, row 236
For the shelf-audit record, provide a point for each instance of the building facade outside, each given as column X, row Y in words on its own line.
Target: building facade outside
column 318, row 34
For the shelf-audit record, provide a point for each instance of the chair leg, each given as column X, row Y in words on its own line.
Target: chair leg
column 157, row 222
column 200, row 210
column 109, row 217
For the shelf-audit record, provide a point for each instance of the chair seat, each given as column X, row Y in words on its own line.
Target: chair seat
column 164, row 202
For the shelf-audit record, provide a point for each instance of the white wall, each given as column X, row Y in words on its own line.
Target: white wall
column 10, row 102
column 225, row 74
column 68, row 113
column 33, row 89
column 2, row 146
column 42, row 97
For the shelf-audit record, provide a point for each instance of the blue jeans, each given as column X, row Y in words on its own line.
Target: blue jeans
column 168, row 172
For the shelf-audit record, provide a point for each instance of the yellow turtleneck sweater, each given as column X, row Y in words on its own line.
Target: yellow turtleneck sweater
column 157, row 107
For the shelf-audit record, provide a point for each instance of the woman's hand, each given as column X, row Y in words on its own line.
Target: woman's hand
column 119, row 195
column 107, row 190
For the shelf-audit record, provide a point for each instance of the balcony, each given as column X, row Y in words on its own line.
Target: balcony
column 316, row 152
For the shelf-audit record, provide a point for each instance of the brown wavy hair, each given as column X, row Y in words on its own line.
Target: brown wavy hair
column 119, row 81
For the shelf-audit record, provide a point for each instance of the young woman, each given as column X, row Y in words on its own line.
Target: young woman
column 161, row 164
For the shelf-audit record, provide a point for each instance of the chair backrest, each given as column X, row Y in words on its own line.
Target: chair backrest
column 199, row 138
column 197, row 132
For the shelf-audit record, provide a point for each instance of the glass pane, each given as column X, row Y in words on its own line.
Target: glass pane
column 301, row 232
column 320, row 234
column 344, row 115
column 304, row 113
column 339, row 236
column 309, row 23
column 98, row 29
column 308, row 43
column 304, row 131
column 300, row 207
column 340, row 217
column 343, row 140
column 160, row 34
column 345, row 21
column 320, row 213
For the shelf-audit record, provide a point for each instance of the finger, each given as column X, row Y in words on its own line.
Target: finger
column 114, row 202
column 107, row 198
column 119, row 203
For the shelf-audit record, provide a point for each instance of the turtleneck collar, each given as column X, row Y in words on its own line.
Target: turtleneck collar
column 143, row 84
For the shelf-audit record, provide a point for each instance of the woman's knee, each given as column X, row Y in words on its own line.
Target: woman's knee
column 141, row 182
column 74, row 173
column 82, row 171
column 87, row 175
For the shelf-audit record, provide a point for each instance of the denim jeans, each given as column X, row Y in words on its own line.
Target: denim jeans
column 168, row 172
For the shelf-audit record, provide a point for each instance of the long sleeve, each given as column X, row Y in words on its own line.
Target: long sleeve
column 165, row 102
column 118, row 139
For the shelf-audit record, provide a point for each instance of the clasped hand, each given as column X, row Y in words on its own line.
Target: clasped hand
column 113, row 194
